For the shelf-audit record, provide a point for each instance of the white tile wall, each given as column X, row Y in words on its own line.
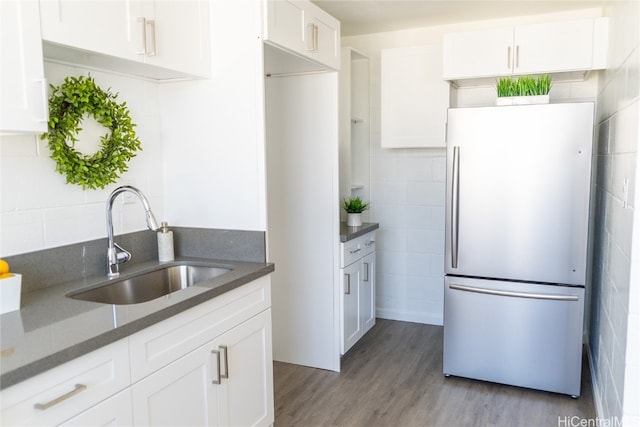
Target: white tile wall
column 614, row 338
column 39, row 210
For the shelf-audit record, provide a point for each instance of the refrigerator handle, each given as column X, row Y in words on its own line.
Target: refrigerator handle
column 455, row 199
column 554, row 297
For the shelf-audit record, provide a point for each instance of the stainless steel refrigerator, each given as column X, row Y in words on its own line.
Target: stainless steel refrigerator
column 518, row 185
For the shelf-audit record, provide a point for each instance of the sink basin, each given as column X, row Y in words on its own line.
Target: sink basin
column 148, row 286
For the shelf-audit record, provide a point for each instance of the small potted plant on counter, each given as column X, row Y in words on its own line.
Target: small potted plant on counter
column 354, row 206
column 524, row 90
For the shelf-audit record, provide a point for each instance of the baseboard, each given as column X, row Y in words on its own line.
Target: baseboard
column 409, row 316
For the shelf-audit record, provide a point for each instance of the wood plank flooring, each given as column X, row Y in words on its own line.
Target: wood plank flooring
column 393, row 377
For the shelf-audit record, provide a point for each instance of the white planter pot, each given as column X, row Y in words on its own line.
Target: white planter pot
column 354, row 219
column 522, row 100
column 10, row 291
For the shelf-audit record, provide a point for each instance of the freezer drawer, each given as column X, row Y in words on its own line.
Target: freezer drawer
column 522, row 334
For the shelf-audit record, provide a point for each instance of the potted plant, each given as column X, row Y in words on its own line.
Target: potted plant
column 524, row 90
column 354, row 206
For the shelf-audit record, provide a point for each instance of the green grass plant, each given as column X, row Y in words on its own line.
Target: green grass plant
column 523, row 86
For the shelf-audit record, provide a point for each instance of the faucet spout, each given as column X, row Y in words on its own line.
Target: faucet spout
column 116, row 255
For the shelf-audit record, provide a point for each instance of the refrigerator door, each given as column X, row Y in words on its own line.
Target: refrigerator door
column 518, row 181
column 521, row 334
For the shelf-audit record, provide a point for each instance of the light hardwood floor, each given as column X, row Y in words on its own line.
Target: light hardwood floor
column 393, row 377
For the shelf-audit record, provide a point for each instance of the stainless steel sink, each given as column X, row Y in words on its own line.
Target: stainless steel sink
column 148, row 286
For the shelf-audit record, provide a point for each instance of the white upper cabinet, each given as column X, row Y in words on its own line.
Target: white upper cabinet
column 304, row 29
column 95, row 26
column 23, row 87
column 175, row 35
column 414, row 97
column 169, row 35
column 528, row 49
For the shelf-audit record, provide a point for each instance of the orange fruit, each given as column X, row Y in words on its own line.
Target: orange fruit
column 4, row 267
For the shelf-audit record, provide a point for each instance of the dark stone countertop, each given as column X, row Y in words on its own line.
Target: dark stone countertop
column 349, row 233
column 51, row 328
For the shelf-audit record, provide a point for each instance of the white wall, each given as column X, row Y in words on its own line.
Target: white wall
column 614, row 341
column 39, row 210
column 408, row 185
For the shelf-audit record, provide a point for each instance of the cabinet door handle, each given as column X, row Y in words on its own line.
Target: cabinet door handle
column 313, row 30
column 517, row 56
column 509, row 57
column 366, row 272
column 218, row 379
column 315, row 37
column 77, row 389
column 142, row 22
column 45, row 103
column 348, row 287
column 225, row 352
column 152, row 26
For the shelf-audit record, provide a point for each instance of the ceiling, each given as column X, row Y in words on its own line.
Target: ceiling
column 373, row 16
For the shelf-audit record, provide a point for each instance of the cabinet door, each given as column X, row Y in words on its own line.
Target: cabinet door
column 115, row 411
column 350, row 286
column 485, row 53
column 246, row 388
column 322, row 37
column 286, row 24
column 23, row 87
column 177, row 35
column 305, row 29
column 563, row 46
column 181, row 393
column 414, row 97
column 100, row 26
column 367, row 293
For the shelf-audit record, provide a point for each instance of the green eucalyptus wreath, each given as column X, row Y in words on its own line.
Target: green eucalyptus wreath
column 68, row 104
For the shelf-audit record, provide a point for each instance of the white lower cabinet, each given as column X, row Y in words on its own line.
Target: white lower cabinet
column 115, row 412
column 211, row 365
column 351, row 326
column 225, row 382
column 69, row 390
column 357, row 283
column 367, row 292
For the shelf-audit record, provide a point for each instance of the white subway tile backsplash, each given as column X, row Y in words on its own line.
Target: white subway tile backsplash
column 436, row 265
column 74, row 224
column 420, row 217
column 426, row 193
column 21, row 232
column 40, row 210
column 416, row 264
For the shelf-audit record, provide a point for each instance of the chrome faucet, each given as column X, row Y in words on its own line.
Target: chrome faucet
column 115, row 253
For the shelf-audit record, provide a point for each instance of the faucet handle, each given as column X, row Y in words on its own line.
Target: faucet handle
column 122, row 255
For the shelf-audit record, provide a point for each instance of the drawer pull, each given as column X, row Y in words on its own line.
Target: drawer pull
column 355, row 251
column 77, row 389
column 218, row 379
column 369, row 243
column 225, row 350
